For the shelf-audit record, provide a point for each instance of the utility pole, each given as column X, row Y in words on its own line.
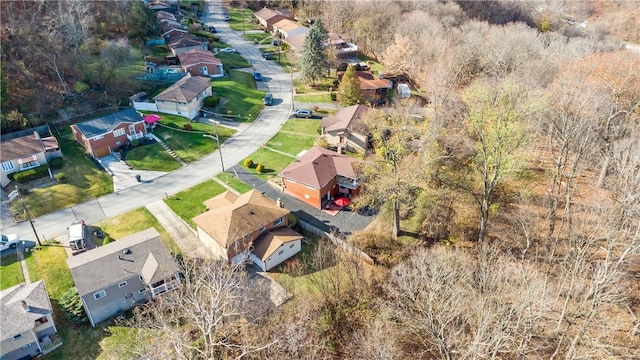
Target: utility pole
column 217, row 138
column 292, row 88
column 26, row 211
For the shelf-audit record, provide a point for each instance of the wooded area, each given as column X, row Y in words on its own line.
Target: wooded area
column 509, row 219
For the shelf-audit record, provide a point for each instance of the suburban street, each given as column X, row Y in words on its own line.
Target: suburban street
column 235, row 149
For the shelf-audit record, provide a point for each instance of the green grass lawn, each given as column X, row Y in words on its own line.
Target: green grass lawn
column 83, row 181
column 11, row 271
column 134, row 221
column 240, row 95
column 261, row 37
column 232, row 61
column 189, row 145
column 234, row 183
column 314, row 98
column 308, row 127
column 272, row 161
column 151, row 157
column 291, row 144
column 323, row 85
column 237, row 15
column 189, row 203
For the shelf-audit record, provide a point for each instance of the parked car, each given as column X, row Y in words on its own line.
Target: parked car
column 303, row 113
column 276, row 42
column 77, row 236
column 9, row 242
column 229, row 50
column 257, row 76
column 212, row 29
column 227, row 17
column 268, row 99
column 267, row 56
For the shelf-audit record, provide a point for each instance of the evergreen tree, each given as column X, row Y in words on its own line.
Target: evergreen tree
column 72, row 304
column 313, row 59
column 142, row 21
column 349, row 89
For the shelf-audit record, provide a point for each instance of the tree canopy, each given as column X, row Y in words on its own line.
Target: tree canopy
column 349, row 92
column 313, row 59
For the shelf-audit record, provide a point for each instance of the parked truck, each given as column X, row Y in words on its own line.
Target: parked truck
column 77, row 237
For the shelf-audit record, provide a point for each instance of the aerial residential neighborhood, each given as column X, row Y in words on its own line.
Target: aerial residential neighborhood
column 213, row 179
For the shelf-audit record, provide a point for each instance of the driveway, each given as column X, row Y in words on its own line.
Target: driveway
column 123, row 177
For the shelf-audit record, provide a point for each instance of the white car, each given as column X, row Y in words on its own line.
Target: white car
column 228, row 50
column 9, row 241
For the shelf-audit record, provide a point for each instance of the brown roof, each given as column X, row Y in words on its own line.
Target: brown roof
column 20, row 147
column 318, row 166
column 188, row 40
column 368, row 81
column 185, row 89
column 266, row 13
column 197, row 56
column 165, row 15
column 287, row 25
column 296, row 41
column 271, row 240
column 171, row 25
column 231, row 217
column 349, row 118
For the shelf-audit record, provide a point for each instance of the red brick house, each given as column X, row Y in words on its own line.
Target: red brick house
column 320, row 175
column 102, row 135
column 373, row 90
column 200, row 62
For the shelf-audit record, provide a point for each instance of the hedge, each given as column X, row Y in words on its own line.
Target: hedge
column 211, row 101
column 56, row 163
column 31, row 174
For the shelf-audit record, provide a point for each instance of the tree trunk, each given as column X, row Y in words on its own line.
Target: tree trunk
column 604, row 169
column 396, row 218
column 484, row 219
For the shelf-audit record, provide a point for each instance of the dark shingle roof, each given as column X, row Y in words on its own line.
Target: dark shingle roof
column 13, row 316
column 98, row 268
column 104, row 124
column 185, row 89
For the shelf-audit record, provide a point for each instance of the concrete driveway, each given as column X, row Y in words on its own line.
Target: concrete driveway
column 123, row 177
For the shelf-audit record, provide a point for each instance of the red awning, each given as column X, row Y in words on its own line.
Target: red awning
column 342, row 201
column 151, row 118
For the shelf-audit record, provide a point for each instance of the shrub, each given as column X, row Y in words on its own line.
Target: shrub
column 212, row 101
column 229, row 112
column 107, row 239
column 315, row 108
column 248, row 163
column 56, row 163
column 260, row 168
column 187, row 127
column 72, row 305
column 31, row 174
column 60, row 177
column 342, row 67
column 136, row 142
column 333, row 96
column 357, row 67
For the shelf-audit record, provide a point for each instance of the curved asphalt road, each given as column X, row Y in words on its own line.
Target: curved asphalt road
column 234, row 149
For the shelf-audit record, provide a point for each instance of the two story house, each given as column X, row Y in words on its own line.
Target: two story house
column 120, row 275
column 27, row 322
column 185, row 97
column 26, row 152
column 320, row 175
column 250, row 226
column 345, row 129
column 106, row 133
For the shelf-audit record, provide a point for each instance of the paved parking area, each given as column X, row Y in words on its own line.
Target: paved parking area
column 123, row 177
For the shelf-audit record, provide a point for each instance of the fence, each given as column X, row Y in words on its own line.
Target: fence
column 336, row 241
column 168, row 77
column 146, row 106
column 42, row 130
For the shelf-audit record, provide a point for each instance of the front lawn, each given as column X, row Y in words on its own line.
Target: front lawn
column 314, row 98
column 237, row 17
column 234, row 183
column 134, row 221
column 10, row 270
column 189, row 203
column 261, row 37
column 291, row 144
column 322, row 86
column 308, row 127
column 232, row 60
column 188, row 145
column 151, row 157
column 272, row 161
column 239, row 96
column 83, row 181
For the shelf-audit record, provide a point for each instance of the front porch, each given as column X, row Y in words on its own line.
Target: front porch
column 164, row 285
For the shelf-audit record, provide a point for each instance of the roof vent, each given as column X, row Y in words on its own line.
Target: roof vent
column 126, row 251
column 251, row 212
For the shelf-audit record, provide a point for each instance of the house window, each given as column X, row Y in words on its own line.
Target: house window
column 262, row 229
column 26, row 346
column 128, row 296
column 118, row 132
column 291, row 246
column 278, row 222
column 42, row 320
column 16, row 337
column 132, row 129
column 142, row 291
column 99, row 294
column 122, row 284
column 280, row 252
column 7, row 166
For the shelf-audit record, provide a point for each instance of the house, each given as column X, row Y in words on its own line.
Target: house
column 373, row 90
column 165, row 6
column 345, row 129
column 247, row 226
column 186, row 43
column 185, row 97
column 201, row 63
column 286, row 28
column 26, row 152
column 172, row 30
column 267, row 17
column 120, row 275
column 295, row 42
column 164, row 15
column 27, row 322
column 344, row 47
column 104, row 134
column 320, row 175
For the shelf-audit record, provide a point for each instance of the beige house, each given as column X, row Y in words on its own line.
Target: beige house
column 185, row 97
column 345, row 129
column 287, row 28
column 247, row 227
column 26, row 152
column 187, row 42
column 27, row 327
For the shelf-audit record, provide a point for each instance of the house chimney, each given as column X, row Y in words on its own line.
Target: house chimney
column 25, row 306
column 36, row 135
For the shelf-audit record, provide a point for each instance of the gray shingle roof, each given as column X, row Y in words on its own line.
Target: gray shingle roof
column 185, row 89
column 13, row 316
column 106, row 123
column 98, row 268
